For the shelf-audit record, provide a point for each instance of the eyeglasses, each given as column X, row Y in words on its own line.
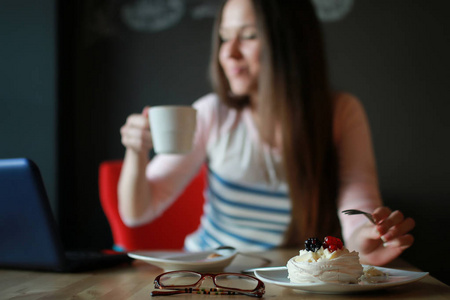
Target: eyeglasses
column 224, row 284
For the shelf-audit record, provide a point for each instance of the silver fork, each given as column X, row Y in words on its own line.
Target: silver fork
column 359, row 212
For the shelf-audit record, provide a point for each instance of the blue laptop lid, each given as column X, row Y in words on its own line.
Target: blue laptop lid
column 28, row 234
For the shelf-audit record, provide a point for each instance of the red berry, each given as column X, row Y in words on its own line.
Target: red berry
column 332, row 243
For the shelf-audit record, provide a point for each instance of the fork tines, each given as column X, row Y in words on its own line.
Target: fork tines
column 352, row 212
column 359, row 212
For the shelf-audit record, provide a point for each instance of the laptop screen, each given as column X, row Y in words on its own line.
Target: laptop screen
column 28, row 232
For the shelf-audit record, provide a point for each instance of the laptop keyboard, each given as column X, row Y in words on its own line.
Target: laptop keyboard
column 77, row 261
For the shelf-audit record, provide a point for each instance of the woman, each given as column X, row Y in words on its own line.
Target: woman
column 284, row 153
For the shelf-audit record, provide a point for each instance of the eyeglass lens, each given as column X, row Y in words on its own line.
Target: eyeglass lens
column 236, row 282
column 179, row 279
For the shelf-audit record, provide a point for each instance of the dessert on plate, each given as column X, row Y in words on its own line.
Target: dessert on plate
column 373, row 275
column 327, row 261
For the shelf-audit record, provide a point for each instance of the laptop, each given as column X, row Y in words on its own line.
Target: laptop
column 29, row 237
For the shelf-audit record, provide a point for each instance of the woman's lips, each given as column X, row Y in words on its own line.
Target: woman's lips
column 235, row 71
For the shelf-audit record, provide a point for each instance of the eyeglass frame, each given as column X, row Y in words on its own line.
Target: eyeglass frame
column 258, row 291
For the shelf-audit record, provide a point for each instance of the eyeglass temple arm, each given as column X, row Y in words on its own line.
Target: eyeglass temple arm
column 167, row 293
column 175, row 292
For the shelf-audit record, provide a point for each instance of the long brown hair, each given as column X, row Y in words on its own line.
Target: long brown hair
column 294, row 93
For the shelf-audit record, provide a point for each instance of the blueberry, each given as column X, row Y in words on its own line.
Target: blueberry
column 313, row 244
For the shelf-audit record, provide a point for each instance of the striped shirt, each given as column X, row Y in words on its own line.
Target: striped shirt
column 247, row 205
column 243, row 216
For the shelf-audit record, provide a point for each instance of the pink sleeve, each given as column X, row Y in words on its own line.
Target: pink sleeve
column 358, row 181
column 169, row 174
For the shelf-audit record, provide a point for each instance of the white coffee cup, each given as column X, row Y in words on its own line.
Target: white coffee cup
column 172, row 128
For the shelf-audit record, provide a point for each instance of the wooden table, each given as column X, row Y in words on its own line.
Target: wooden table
column 136, row 282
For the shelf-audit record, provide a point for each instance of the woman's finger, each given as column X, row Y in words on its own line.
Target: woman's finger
column 136, row 138
column 394, row 218
column 381, row 213
column 403, row 242
column 138, row 121
column 399, row 230
column 136, row 143
column 145, row 111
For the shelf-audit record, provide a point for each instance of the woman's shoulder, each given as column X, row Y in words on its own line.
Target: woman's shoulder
column 346, row 104
column 349, row 114
column 211, row 107
column 208, row 102
column 345, row 99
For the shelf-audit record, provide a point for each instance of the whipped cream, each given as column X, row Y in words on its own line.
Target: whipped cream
column 373, row 275
column 340, row 266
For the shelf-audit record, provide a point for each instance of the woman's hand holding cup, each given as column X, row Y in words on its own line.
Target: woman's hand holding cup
column 136, row 132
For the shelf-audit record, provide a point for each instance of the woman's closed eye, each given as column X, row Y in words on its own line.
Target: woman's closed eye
column 248, row 33
column 245, row 33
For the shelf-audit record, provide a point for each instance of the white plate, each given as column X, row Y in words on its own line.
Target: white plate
column 193, row 261
column 279, row 276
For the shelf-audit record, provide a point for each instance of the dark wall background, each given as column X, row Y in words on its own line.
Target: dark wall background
column 65, row 91
column 28, row 100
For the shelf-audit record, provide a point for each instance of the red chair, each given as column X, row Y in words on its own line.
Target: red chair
column 168, row 230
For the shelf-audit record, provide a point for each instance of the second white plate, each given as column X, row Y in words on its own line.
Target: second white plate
column 205, row 261
column 279, row 276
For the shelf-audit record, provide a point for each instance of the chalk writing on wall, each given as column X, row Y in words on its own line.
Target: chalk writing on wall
column 159, row 15
column 332, row 10
column 153, row 15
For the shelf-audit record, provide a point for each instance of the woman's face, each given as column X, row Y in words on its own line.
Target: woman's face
column 240, row 47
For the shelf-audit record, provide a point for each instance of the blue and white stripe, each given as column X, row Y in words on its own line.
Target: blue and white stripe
column 246, row 217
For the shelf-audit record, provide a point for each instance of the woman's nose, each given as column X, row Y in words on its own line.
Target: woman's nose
column 234, row 50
